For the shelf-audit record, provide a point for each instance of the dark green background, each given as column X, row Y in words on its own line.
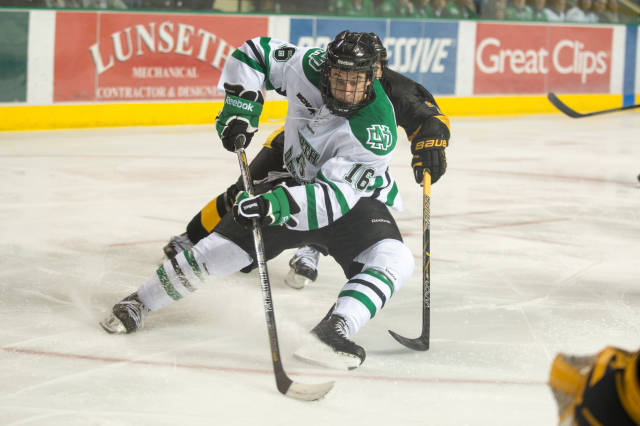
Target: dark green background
column 14, row 29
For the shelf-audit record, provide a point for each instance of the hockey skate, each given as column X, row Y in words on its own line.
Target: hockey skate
column 304, row 267
column 331, row 347
column 126, row 316
column 177, row 244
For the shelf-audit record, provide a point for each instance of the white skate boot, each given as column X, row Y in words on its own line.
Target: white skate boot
column 126, row 316
column 177, row 244
column 304, row 267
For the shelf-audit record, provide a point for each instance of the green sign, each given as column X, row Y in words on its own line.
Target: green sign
column 14, row 30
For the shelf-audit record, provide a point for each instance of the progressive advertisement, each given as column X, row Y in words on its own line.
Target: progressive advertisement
column 533, row 59
column 424, row 51
column 142, row 57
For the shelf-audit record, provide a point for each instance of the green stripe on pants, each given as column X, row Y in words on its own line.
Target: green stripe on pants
column 312, row 214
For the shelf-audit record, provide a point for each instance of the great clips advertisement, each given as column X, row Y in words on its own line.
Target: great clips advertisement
column 423, row 51
column 142, row 57
column 522, row 59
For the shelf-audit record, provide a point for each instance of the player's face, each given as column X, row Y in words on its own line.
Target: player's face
column 348, row 86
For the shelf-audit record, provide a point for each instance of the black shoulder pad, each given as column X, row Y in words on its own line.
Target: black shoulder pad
column 284, row 53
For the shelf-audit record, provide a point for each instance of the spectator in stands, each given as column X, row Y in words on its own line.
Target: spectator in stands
column 580, row 11
column 102, row 4
column 494, row 9
column 195, row 4
column 405, row 8
column 537, row 6
column 607, row 11
column 387, row 8
column 592, row 16
column 438, row 8
column 287, row 6
column 555, row 11
column 598, row 10
column 60, row 4
column 518, row 11
column 25, row 3
column 460, row 9
column 423, row 9
column 349, row 7
column 574, row 12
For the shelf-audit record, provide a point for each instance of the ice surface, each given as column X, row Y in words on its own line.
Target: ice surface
column 535, row 247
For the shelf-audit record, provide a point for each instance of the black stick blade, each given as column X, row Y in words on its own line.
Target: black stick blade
column 556, row 102
column 553, row 98
column 419, row 344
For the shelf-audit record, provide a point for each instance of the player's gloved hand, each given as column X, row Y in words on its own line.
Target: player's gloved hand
column 435, row 160
column 271, row 208
column 239, row 115
column 428, row 143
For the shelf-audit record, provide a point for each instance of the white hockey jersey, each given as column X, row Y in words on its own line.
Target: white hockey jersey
column 335, row 160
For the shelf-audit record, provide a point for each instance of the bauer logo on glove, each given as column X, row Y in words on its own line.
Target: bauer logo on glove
column 431, row 143
column 428, row 143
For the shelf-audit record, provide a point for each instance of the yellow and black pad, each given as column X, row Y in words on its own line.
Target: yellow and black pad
column 269, row 158
column 597, row 390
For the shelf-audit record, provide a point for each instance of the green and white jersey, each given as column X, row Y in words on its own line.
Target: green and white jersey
column 335, row 160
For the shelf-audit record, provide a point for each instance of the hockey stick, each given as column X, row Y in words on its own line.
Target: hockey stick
column 284, row 384
column 553, row 98
column 421, row 343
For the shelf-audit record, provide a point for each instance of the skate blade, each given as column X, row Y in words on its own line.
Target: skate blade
column 318, row 353
column 296, row 281
column 113, row 325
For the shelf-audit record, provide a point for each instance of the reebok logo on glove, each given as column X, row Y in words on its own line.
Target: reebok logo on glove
column 251, row 205
column 238, row 104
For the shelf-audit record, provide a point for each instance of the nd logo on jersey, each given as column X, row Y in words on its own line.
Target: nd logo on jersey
column 380, row 137
column 317, row 59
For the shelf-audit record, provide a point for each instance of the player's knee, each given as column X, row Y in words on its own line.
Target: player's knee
column 220, row 256
column 391, row 257
column 402, row 262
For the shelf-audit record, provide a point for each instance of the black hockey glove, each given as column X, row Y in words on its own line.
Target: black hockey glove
column 271, row 208
column 435, row 160
column 239, row 115
column 428, row 143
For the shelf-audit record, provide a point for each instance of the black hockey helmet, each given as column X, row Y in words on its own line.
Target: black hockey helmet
column 347, row 78
column 380, row 49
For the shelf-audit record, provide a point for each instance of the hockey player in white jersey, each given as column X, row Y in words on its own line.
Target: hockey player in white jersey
column 339, row 137
column 416, row 111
